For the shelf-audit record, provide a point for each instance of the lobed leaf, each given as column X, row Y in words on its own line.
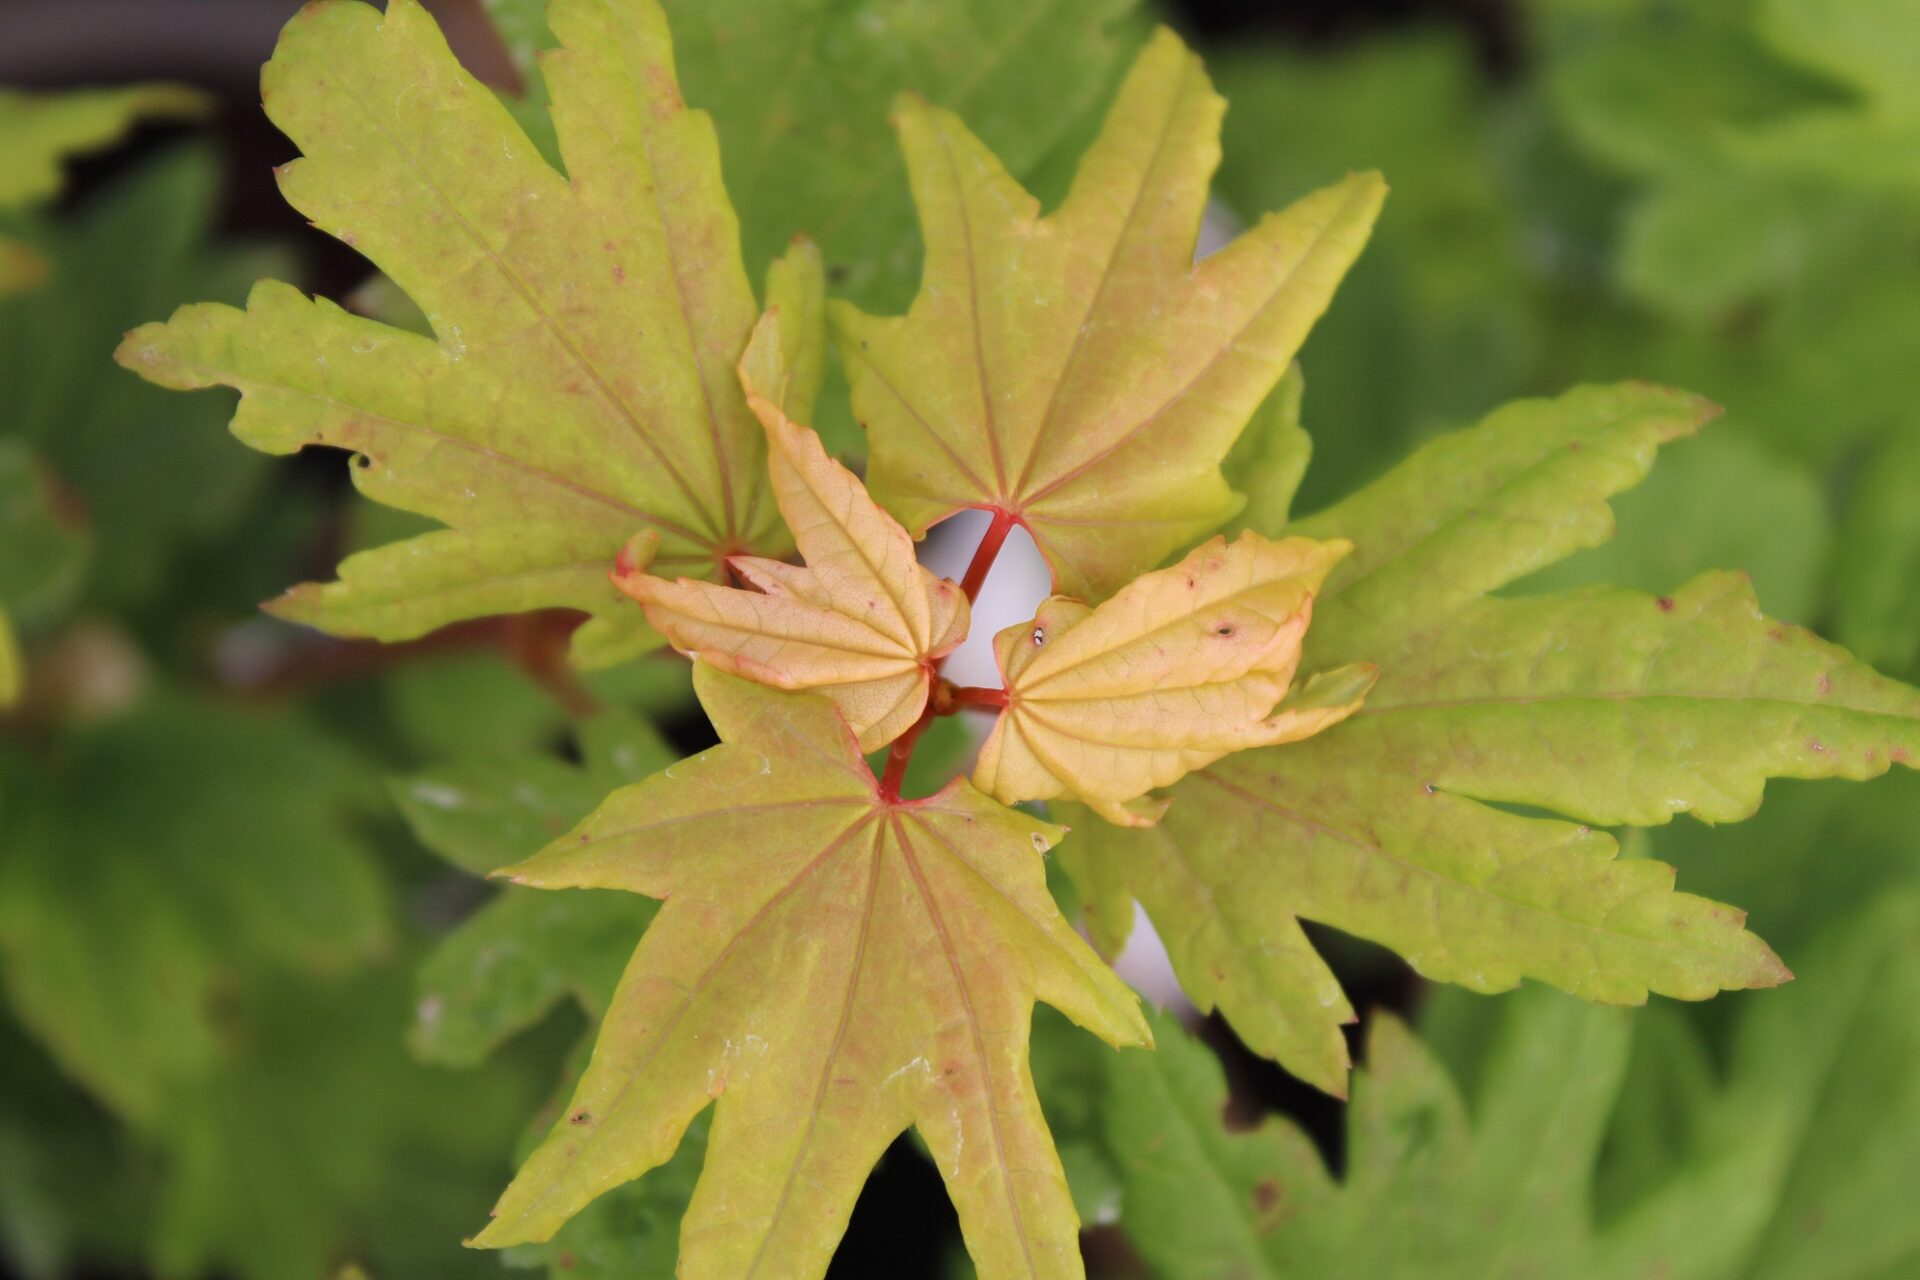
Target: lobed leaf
column 1607, row 706
column 832, row 968
column 1181, row 667
column 580, row 387
column 862, row 623
column 1079, row 371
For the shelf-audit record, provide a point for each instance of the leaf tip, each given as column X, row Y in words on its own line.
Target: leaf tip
column 1770, row 970
column 300, row 603
column 635, row 555
column 907, row 105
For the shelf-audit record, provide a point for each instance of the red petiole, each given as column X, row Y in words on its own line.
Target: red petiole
column 987, row 552
column 944, row 698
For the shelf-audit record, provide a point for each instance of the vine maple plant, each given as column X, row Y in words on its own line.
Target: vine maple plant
column 604, row 420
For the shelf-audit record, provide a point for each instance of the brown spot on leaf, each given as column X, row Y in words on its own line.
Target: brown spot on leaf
column 1665, row 603
column 1826, row 683
column 580, row 1117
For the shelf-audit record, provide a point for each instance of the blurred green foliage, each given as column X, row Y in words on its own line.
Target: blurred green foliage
column 1569, row 1140
column 246, row 1016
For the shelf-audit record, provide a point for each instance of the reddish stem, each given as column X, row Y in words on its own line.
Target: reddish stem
column 902, row 753
column 986, row 554
column 943, row 698
column 969, row 695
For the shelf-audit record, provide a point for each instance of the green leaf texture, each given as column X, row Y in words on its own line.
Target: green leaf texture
column 1789, row 1168
column 1607, row 706
column 187, row 876
column 514, row 959
column 799, row 95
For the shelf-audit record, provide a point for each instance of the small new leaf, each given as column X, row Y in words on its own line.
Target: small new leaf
column 862, row 623
column 1181, row 667
column 580, row 386
column 832, row 967
column 1079, row 371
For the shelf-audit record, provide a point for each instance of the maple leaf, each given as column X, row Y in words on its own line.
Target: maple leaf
column 799, row 94
column 1078, row 373
column 832, row 967
column 38, row 131
column 1793, row 1164
column 1605, row 705
column 1181, row 667
column 581, row 386
column 863, row 622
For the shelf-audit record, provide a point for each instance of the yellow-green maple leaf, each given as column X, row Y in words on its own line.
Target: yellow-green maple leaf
column 1079, row 372
column 863, row 622
column 1181, row 667
column 831, row 967
column 1607, row 706
column 580, row 388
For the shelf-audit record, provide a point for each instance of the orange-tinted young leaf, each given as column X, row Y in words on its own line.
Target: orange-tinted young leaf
column 832, row 968
column 1181, row 667
column 1079, row 371
column 862, row 623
